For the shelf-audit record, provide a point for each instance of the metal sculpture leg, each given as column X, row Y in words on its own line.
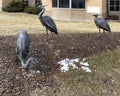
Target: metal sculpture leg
column 99, row 35
column 46, row 34
column 52, row 33
column 99, row 30
column 104, row 32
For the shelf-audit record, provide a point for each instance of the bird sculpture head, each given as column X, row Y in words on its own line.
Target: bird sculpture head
column 42, row 6
column 26, row 63
column 95, row 15
column 37, row 65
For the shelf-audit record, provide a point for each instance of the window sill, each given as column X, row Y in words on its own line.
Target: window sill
column 70, row 8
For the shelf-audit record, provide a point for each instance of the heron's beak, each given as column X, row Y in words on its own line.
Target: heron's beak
column 94, row 15
column 44, row 5
column 40, row 6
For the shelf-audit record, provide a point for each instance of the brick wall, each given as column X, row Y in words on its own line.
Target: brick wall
column 0, row 5
column 32, row 3
column 70, row 14
column 4, row 3
column 48, row 8
column 80, row 14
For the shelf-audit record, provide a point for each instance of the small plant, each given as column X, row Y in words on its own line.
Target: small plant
column 15, row 6
column 32, row 10
column 37, row 4
column 28, row 9
column 113, row 17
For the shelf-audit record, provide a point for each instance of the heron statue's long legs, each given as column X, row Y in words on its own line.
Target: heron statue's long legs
column 99, row 30
column 104, row 32
column 52, row 33
column 46, row 34
column 99, row 35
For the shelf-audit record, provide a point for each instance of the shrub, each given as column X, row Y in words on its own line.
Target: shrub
column 15, row 6
column 37, row 4
column 32, row 10
column 113, row 17
column 36, row 11
column 28, row 9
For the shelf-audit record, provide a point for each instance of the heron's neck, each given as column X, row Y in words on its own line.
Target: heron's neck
column 28, row 61
column 96, row 16
column 41, row 13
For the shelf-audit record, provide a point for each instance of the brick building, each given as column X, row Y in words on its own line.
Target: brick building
column 75, row 10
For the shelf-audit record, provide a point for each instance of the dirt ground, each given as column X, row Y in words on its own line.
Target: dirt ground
column 17, row 82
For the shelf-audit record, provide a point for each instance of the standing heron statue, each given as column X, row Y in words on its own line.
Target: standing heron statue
column 101, row 24
column 47, row 22
column 22, row 50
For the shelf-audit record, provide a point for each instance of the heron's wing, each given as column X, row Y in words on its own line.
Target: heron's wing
column 103, row 24
column 17, row 50
column 22, row 46
column 49, row 22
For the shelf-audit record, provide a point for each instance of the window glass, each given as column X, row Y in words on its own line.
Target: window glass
column 54, row 3
column 64, row 3
column 111, row 8
column 25, row 2
column 111, row 2
column 37, row 1
column 114, row 5
column 78, row 3
column 117, row 2
column 116, row 8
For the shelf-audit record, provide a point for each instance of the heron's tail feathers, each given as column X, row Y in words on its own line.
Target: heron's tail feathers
column 109, row 30
column 56, row 32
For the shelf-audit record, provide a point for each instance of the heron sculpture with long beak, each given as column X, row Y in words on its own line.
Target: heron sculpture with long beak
column 22, row 50
column 47, row 21
column 101, row 24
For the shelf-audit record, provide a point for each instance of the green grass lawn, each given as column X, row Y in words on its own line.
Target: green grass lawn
column 104, row 80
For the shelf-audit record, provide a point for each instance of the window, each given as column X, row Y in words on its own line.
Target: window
column 25, row 2
column 78, row 3
column 114, row 5
column 37, row 1
column 64, row 3
column 54, row 3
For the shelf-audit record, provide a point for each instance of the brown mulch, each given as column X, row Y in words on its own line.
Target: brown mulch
column 17, row 82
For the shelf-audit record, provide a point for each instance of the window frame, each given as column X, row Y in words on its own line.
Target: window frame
column 66, row 4
column 37, row 1
column 70, row 5
column 80, row 6
column 56, row 4
column 25, row 2
column 113, row 6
